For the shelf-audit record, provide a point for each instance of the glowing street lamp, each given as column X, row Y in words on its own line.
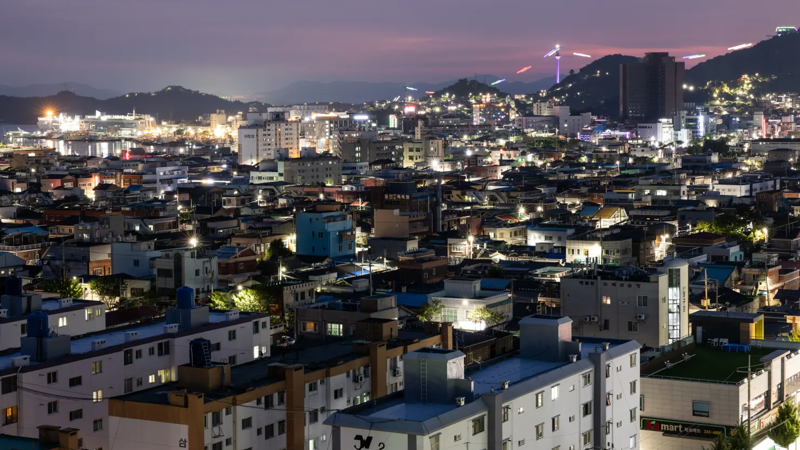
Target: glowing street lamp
column 193, row 242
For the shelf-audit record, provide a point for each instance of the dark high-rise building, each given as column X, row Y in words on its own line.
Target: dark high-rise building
column 651, row 88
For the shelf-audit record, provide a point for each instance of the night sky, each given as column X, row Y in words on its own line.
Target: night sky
column 242, row 47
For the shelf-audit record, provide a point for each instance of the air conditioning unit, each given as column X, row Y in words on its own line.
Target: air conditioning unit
column 99, row 344
column 171, row 328
column 20, row 361
column 397, row 372
column 641, row 316
column 595, row 318
column 359, row 378
column 587, row 318
column 131, row 336
column 231, row 315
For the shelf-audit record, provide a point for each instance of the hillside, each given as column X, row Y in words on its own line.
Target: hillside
column 465, row 88
column 171, row 103
column 594, row 88
column 772, row 57
column 44, row 90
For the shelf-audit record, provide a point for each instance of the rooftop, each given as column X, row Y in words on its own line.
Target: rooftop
column 713, row 365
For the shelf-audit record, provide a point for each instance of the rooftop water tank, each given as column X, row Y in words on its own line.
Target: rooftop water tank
column 13, row 286
column 185, row 297
column 38, row 324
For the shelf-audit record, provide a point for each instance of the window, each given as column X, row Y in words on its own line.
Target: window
column 633, row 360
column 62, row 321
column 151, row 378
column 52, row 407
column 586, row 408
column 700, row 409
column 281, row 427
column 641, row 403
column 216, row 418
column 163, row 348
column 313, row 387
column 520, row 410
column 633, row 387
column 338, row 393
column 97, row 425
column 450, row 315
column 10, row 415
column 633, row 414
column 135, row 263
column 554, row 392
column 76, row 415
column 165, row 375
column 586, row 378
column 632, row 442
column 281, row 398
column 228, row 442
column 128, row 385
column 478, row 425
column 506, row 412
column 138, row 354
column 151, row 351
column 641, row 300
column 269, row 401
column 97, row 367
column 457, row 437
column 606, row 300
column 269, row 431
column 586, row 438
column 52, row 377
column 139, row 381
column 335, row 329
column 556, row 422
column 8, row 384
column 539, row 399
column 127, row 357
column 247, row 423
column 608, row 428
column 97, row 396
column 539, row 431
column 216, row 446
column 75, row 381
column 312, row 444
column 435, row 442
column 309, row 327
column 633, row 327
column 215, row 347
column 313, row 416
column 228, row 411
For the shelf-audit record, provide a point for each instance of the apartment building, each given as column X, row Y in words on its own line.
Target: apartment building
column 260, row 140
column 396, row 224
column 462, row 295
column 165, row 179
column 178, row 267
column 326, row 233
column 275, row 402
column 325, row 170
column 548, row 235
column 558, row 393
column 62, row 380
column 628, row 303
column 134, row 258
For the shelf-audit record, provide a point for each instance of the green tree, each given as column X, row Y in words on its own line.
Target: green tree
column 430, row 311
column 259, row 299
column 220, row 300
column 277, row 248
column 65, row 288
column 495, row 272
column 787, row 429
column 109, row 289
column 485, row 315
column 720, row 443
column 741, row 439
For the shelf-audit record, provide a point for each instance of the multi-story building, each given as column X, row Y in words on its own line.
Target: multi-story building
column 178, row 267
column 428, row 152
column 325, row 170
column 166, row 179
column 271, row 403
column 650, row 306
column 327, row 233
column 62, row 380
column 264, row 135
column 745, row 186
column 340, row 319
column 397, row 224
column 651, row 89
column 558, row 393
column 421, row 266
column 461, row 296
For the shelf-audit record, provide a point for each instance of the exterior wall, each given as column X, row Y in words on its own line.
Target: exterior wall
column 320, row 234
column 134, row 434
column 327, row 171
column 133, row 258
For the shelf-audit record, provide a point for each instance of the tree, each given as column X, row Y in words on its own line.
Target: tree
column 65, row 288
column 495, row 272
column 108, row 288
column 277, row 248
column 430, row 311
column 220, row 300
column 259, row 299
column 787, row 429
column 741, row 439
column 720, row 443
column 485, row 315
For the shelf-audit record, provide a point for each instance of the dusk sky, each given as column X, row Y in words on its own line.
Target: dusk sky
column 242, row 47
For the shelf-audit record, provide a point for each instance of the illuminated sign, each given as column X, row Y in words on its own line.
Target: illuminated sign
column 410, row 109
column 360, row 117
column 684, row 429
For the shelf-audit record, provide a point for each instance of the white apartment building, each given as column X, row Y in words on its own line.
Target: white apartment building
column 546, row 235
column 270, row 404
column 629, row 303
column 186, row 267
column 134, row 258
column 165, row 179
column 261, row 139
column 56, row 379
column 658, row 132
column 427, row 152
column 322, row 169
column 462, row 295
column 557, row 394
column 745, row 186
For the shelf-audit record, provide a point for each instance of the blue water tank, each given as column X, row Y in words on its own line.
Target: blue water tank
column 185, row 297
column 38, row 324
column 13, row 286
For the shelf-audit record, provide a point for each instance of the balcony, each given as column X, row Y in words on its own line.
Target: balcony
column 20, row 248
column 347, row 236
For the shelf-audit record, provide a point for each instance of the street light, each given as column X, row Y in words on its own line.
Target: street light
column 193, row 242
column 471, row 239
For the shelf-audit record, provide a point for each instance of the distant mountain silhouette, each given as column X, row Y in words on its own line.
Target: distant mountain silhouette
column 362, row 91
column 45, row 90
column 464, row 88
column 171, row 103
